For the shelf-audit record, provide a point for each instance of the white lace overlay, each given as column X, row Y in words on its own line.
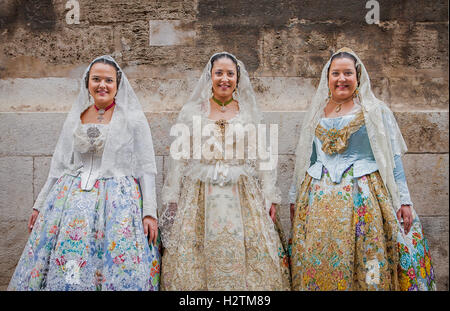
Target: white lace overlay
column 219, row 170
column 215, row 172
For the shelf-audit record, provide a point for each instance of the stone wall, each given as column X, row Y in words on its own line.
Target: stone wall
column 163, row 47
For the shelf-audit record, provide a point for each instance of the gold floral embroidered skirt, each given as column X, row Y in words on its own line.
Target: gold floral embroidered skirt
column 346, row 236
column 225, row 241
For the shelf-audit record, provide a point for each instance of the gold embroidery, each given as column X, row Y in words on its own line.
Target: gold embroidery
column 224, row 263
column 334, row 238
column 334, row 140
column 222, row 123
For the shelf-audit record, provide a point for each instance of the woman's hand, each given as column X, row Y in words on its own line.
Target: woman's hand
column 273, row 212
column 32, row 220
column 405, row 213
column 292, row 210
column 150, row 228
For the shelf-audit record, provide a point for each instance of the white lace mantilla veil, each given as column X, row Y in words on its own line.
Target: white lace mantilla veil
column 198, row 105
column 128, row 121
column 198, row 102
column 384, row 134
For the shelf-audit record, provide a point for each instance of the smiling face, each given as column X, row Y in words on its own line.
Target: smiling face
column 224, row 78
column 102, row 84
column 342, row 78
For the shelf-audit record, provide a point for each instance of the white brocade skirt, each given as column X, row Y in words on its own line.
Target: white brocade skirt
column 224, row 240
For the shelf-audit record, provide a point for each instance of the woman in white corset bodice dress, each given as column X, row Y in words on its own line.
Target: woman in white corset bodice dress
column 218, row 213
column 94, row 223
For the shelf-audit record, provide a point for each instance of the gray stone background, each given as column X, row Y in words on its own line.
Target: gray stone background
column 163, row 46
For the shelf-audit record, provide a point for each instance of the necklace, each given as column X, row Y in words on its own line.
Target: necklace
column 218, row 102
column 101, row 111
column 339, row 105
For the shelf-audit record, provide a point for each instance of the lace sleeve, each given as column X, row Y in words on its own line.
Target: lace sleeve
column 172, row 182
column 268, row 180
column 167, row 212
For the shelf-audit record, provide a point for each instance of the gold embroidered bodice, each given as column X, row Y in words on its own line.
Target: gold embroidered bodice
column 336, row 141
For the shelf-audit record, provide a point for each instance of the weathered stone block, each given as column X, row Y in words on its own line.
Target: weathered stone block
column 158, row 95
column 427, row 177
column 435, row 230
column 14, row 236
column 283, row 93
column 125, row 12
column 170, row 32
column 16, row 191
column 424, row 131
column 418, row 93
column 42, row 94
column 31, row 134
column 298, row 50
column 417, row 10
column 160, row 124
column 69, row 45
column 289, row 125
column 285, row 172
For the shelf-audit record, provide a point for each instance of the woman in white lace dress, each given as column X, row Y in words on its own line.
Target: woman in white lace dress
column 90, row 221
column 218, row 213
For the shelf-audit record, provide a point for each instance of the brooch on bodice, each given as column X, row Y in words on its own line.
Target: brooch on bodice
column 336, row 141
column 222, row 123
column 92, row 133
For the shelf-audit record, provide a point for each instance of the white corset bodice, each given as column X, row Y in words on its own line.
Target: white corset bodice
column 89, row 142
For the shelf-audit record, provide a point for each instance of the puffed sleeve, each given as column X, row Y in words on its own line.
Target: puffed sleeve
column 148, row 192
column 144, row 164
column 398, row 146
column 44, row 193
column 272, row 194
column 400, row 180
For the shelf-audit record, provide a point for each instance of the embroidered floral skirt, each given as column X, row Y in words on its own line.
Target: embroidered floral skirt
column 89, row 240
column 346, row 237
column 225, row 240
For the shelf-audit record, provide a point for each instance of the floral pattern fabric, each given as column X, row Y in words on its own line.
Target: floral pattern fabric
column 416, row 268
column 89, row 240
column 346, row 237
